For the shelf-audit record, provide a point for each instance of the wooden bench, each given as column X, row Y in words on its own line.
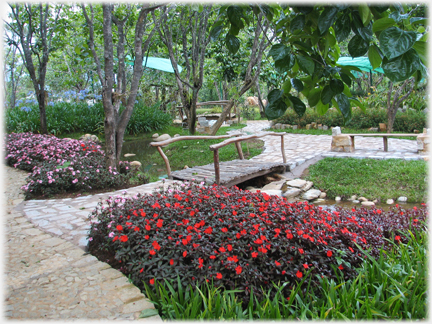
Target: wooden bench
column 385, row 137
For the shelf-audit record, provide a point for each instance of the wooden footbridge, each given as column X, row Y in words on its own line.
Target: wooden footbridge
column 227, row 173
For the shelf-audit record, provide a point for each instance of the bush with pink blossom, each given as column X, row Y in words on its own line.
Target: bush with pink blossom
column 59, row 165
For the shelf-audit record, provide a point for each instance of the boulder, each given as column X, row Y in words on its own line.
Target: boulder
column 89, row 137
column 390, row 201
column 273, row 192
column 323, row 195
column 136, row 164
column 155, row 135
column 275, row 185
column 311, row 194
column 177, row 122
column 294, row 126
column 362, row 199
column 337, row 199
column 368, row 203
column 373, row 129
column 162, row 137
column 402, row 199
column 307, row 186
column 292, row 192
column 325, row 127
column 129, row 154
column 298, row 183
column 341, row 143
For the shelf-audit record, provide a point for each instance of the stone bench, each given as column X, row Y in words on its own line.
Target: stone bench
column 345, row 142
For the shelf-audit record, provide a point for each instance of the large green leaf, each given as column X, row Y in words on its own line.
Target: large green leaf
column 321, row 108
column 278, row 51
column 395, row 41
column 416, row 20
column 342, row 27
column 357, row 46
column 297, row 84
column 298, row 105
column 421, row 49
column 327, row 18
column 215, row 32
column 235, row 13
column 382, row 24
column 326, row 95
column 365, row 14
column 284, row 64
column 402, row 67
column 355, row 102
column 344, row 106
column 336, row 86
column 306, row 64
column 297, row 23
column 286, row 87
column 345, row 78
column 364, row 31
column 314, row 97
column 374, row 56
column 232, row 43
column 276, row 106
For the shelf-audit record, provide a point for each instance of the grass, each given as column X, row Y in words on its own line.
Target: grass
column 372, row 179
column 392, row 287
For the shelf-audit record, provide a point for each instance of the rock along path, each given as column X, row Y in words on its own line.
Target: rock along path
column 48, row 273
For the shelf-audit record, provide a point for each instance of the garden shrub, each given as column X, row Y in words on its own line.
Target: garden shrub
column 404, row 122
column 59, row 165
column 64, row 118
column 239, row 239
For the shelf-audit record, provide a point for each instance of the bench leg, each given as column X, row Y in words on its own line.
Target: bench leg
column 352, row 142
column 385, row 143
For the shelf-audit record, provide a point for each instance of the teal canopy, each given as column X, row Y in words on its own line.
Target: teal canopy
column 160, row 64
column 156, row 63
column 362, row 63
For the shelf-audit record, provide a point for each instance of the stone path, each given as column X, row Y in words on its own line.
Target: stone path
column 49, row 276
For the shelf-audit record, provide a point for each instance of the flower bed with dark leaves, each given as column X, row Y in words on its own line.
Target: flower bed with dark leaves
column 239, row 239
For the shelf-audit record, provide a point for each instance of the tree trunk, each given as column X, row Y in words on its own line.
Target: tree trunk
column 393, row 105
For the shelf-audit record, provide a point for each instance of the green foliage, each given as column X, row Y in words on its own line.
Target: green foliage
column 63, row 118
column 391, row 178
column 405, row 122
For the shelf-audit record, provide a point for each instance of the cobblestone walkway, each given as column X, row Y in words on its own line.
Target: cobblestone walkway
column 49, row 276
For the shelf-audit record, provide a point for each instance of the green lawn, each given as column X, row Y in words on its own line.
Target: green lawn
column 372, row 179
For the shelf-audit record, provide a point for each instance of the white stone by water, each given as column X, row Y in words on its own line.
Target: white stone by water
column 368, row 203
column 311, row 194
column 298, row 183
column 337, row 199
column 402, row 199
column 390, row 201
column 292, row 192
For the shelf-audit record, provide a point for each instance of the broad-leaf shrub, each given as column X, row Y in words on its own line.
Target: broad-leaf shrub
column 59, row 165
column 238, row 239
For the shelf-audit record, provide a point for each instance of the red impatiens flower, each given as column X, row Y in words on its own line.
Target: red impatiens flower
column 234, row 213
column 156, row 245
column 222, row 249
column 219, row 275
column 136, row 229
column 192, row 213
column 238, row 269
column 229, row 247
column 224, row 229
column 212, row 257
column 115, row 238
column 148, row 227
column 397, row 238
column 123, row 238
column 119, row 228
column 152, row 281
column 299, row 274
column 152, row 252
column 171, row 262
column 283, row 272
column 142, row 269
column 184, row 254
column 146, row 237
column 254, row 254
column 329, row 253
column 277, row 263
column 301, row 251
column 289, row 236
column 340, row 267
column 305, row 266
column 195, row 245
column 159, row 223
column 351, row 249
column 208, row 230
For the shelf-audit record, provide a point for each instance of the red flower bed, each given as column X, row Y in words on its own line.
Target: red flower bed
column 240, row 239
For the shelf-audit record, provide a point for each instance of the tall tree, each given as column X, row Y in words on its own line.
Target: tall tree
column 115, row 88
column 190, row 25
column 35, row 27
column 236, row 15
column 13, row 70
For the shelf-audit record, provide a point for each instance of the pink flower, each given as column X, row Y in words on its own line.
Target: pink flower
column 75, row 181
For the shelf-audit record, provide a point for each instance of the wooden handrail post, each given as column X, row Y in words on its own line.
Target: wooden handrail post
column 239, row 150
column 164, row 157
column 283, row 149
column 216, row 165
